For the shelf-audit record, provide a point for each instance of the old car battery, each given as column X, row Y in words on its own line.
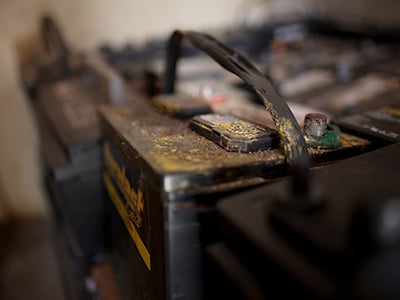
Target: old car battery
column 381, row 123
column 71, row 143
column 68, row 87
column 265, row 246
column 367, row 92
column 164, row 180
column 66, row 112
column 342, row 249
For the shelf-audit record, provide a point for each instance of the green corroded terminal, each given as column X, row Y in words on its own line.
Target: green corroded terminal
column 330, row 140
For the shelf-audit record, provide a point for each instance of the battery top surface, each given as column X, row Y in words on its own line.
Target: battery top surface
column 71, row 111
column 181, row 158
column 176, row 154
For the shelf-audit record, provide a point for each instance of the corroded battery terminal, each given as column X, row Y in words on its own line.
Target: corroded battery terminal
column 319, row 134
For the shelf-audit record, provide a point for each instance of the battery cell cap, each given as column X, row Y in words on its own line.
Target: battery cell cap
column 180, row 105
column 235, row 134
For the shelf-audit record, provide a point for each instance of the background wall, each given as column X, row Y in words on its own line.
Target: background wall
column 86, row 24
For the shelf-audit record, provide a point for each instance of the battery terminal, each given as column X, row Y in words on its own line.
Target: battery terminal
column 319, row 134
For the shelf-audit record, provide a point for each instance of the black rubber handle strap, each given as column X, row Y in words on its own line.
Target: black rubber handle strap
column 53, row 39
column 290, row 133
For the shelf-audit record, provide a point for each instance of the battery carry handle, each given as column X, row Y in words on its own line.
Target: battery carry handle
column 296, row 153
column 54, row 41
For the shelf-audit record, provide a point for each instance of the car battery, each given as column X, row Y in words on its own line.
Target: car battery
column 165, row 173
column 135, row 64
column 56, row 61
column 369, row 91
column 68, row 88
column 141, row 65
column 314, row 67
column 317, row 62
column 98, row 72
column 343, row 249
column 381, row 123
column 266, row 246
column 71, row 142
column 338, row 246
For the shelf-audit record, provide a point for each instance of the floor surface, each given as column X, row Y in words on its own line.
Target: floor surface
column 29, row 263
column 35, row 263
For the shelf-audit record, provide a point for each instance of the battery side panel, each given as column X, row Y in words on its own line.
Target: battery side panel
column 139, row 241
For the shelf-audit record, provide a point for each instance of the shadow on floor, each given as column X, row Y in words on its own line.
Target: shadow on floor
column 29, row 263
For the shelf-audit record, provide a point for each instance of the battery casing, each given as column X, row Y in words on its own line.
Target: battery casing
column 164, row 180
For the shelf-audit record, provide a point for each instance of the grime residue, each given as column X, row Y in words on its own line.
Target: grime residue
column 240, row 129
column 347, row 141
column 233, row 126
column 170, row 146
column 288, row 133
column 191, row 153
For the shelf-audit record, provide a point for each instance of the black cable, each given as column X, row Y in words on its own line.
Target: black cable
column 290, row 133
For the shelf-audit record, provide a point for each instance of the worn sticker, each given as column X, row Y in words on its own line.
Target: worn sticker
column 126, row 191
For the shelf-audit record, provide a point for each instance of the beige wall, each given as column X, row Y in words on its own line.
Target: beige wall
column 87, row 22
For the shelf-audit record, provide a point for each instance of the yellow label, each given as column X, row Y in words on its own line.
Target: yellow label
column 135, row 203
column 119, row 204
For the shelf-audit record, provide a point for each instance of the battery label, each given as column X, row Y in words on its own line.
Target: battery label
column 131, row 206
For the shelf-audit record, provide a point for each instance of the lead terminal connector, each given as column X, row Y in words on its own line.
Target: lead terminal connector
column 319, row 134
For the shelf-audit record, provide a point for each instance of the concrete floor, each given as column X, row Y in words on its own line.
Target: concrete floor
column 36, row 263
column 29, row 263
